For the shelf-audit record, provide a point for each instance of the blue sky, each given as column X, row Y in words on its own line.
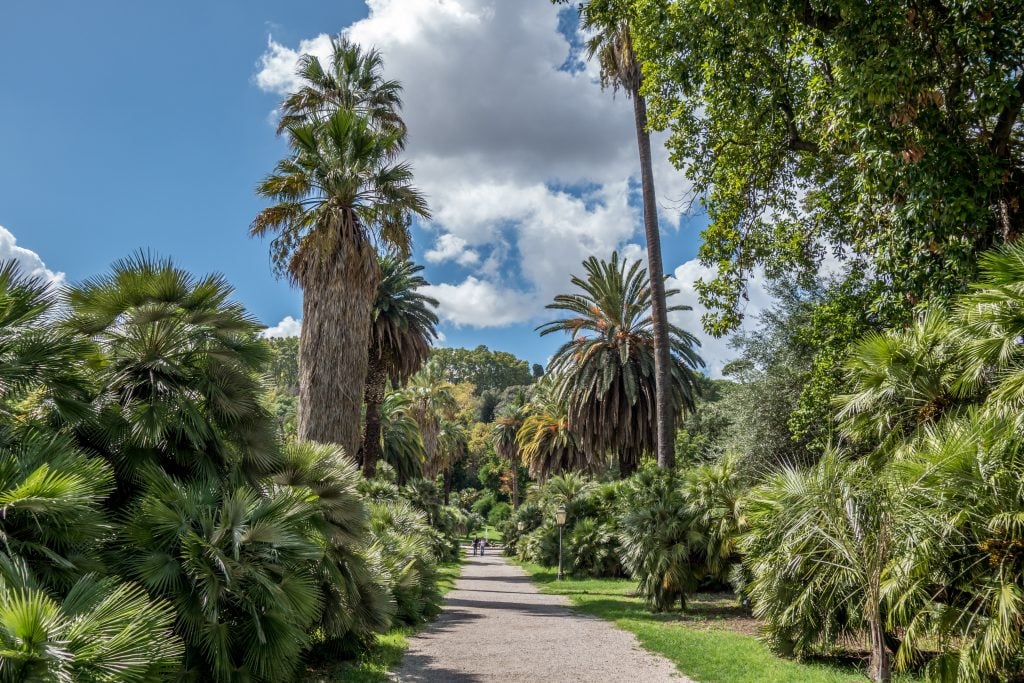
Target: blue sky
column 147, row 125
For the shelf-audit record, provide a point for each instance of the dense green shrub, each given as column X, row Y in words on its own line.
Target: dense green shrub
column 499, row 513
column 483, row 504
column 592, row 549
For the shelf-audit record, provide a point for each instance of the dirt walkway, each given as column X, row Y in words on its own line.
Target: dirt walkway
column 496, row 626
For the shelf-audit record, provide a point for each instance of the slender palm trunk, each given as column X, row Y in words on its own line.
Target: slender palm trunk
column 514, row 462
column 376, row 382
column 662, row 361
column 336, row 308
column 447, row 485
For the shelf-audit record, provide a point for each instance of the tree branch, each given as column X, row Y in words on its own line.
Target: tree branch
column 1000, row 141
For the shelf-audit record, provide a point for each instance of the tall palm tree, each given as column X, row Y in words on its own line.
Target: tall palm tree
column 353, row 79
column 606, row 371
column 506, row 428
column 400, row 335
column 432, row 402
column 338, row 195
column 401, row 443
column 611, row 42
column 453, row 443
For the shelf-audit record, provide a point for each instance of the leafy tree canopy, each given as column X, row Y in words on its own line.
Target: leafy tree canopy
column 485, row 369
column 887, row 131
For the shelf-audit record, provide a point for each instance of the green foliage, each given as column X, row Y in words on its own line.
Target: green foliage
column 485, row 369
column 885, row 131
column 606, row 369
column 101, row 631
column 498, row 513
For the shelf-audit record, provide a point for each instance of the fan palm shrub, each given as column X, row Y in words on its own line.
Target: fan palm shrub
column 101, row 630
column 661, row 544
column 51, row 517
column 179, row 369
column 902, row 379
column 235, row 565
column 42, row 366
column 714, row 495
column 817, row 549
column 606, row 371
column 957, row 582
column 593, row 548
column 403, row 541
column 353, row 600
column 400, row 335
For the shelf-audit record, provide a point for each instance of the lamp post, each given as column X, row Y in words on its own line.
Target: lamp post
column 521, row 525
column 560, row 521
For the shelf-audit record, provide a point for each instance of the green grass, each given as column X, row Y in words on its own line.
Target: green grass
column 386, row 652
column 703, row 643
column 489, row 532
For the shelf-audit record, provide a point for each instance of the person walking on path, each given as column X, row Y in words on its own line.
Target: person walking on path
column 476, row 542
column 483, row 544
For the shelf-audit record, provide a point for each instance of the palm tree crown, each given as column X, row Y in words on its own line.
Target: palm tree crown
column 606, row 370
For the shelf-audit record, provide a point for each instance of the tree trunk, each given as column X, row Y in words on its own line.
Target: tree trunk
column 338, row 290
column 880, row 666
column 376, row 382
column 514, row 464
column 664, row 416
column 627, row 464
column 447, row 485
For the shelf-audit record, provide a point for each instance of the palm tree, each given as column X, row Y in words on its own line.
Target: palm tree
column 179, row 374
column 546, row 444
column 506, row 428
column 452, row 442
column 400, row 335
column 432, row 401
column 338, row 195
column 101, row 630
column 401, row 443
column 353, row 80
column 611, row 42
column 606, row 372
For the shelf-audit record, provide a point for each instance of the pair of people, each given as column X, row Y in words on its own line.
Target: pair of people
column 479, row 544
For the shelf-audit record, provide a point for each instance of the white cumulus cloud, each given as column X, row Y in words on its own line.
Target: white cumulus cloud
column 715, row 351
column 527, row 167
column 29, row 261
column 288, row 327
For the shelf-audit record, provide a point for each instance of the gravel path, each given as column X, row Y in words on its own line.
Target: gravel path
column 496, row 626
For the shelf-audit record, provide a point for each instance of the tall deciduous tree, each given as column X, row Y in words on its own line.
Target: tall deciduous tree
column 400, row 334
column 611, row 42
column 606, row 371
column 889, row 129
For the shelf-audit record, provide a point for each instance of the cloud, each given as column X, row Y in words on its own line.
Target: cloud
column 288, row 327
column 480, row 303
column 29, row 261
column 715, row 351
column 529, row 167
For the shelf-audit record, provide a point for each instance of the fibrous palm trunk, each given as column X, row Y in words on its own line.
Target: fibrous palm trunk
column 376, row 383
column 338, row 290
column 662, row 361
column 514, row 462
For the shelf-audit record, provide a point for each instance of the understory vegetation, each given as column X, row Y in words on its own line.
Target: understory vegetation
column 154, row 525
